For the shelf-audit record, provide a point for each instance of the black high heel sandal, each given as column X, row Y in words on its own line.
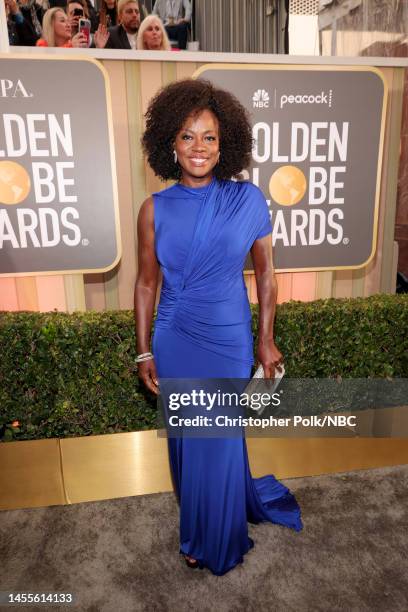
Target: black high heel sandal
column 192, row 564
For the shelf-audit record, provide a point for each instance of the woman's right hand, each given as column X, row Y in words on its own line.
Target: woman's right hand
column 147, row 373
column 79, row 40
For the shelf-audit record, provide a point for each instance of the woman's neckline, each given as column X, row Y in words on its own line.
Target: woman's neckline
column 201, row 189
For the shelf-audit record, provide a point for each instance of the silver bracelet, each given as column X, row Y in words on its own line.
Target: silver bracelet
column 144, row 357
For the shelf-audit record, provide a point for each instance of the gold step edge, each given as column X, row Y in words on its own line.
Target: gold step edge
column 368, row 453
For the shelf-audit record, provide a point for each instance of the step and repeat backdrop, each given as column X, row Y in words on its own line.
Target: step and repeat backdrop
column 58, row 190
column 73, row 176
column 317, row 158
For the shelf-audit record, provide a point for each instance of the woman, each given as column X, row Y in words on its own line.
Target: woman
column 108, row 13
column 152, row 36
column 57, row 32
column 56, row 29
column 199, row 232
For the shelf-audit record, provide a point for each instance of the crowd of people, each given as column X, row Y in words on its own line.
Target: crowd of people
column 113, row 24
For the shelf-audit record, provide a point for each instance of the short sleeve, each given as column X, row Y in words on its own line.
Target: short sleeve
column 262, row 211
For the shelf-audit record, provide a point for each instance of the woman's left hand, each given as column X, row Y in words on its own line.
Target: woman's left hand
column 269, row 356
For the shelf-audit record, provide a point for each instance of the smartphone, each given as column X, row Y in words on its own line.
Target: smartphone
column 84, row 26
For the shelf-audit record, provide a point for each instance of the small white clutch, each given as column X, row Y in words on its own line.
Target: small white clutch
column 259, row 384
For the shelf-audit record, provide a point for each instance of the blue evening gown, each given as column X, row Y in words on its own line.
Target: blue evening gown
column 203, row 330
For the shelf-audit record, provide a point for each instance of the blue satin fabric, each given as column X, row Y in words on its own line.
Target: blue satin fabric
column 203, row 330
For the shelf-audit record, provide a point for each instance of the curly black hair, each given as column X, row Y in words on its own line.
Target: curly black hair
column 167, row 113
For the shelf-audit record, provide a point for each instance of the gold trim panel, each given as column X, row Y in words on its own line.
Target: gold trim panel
column 72, row 470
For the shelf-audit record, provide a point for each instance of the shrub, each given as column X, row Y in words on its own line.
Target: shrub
column 74, row 374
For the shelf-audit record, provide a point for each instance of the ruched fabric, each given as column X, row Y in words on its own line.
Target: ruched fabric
column 203, row 330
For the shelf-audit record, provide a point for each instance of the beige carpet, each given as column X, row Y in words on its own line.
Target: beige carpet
column 122, row 554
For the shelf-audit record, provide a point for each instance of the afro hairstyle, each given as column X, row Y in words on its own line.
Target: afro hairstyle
column 167, row 113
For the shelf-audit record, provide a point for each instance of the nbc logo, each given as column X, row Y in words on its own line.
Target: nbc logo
column 260, row 99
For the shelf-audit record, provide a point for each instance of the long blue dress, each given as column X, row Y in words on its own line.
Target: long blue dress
column 203, row 330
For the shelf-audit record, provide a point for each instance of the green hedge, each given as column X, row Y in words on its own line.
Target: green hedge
column 74, row 374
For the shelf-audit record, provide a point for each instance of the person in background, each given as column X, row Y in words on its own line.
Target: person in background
column 79, row 9
column 57, row 32
column 45, row 5
column 152, row 36
column 123, row 36
column 93, row 15
column 108, row 13
column 20, row 31
column 33, row 13
column 176, row 15
column 76, row 10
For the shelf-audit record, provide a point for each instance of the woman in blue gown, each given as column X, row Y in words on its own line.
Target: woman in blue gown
column 199, row 232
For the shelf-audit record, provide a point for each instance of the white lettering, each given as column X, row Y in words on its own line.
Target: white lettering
column 333, row 185
column 5, row 87
column 16, row 146
column 68, row 225
column 298, row 225
column 49, row 237
column 307, row 227
column 34, row 136
column 296, row 128
column 275, row 144
column 314, row 237
column 62, row 182
column 43, row 227
column 64, row 136
column 341, row 142
column 317, row 183
column 26, row 134
column 279, row 229
column 335, row 239
column 43, row 183
column 6, row 230
column 27, row 224
column 263, row 129
column 315, row 141
column 320, row 142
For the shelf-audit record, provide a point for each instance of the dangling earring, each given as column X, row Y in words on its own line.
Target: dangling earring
column 219, row 155
column 175, row 156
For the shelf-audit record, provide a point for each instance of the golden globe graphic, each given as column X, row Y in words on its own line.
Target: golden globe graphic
column 15, row 183
column 287, row 185
column 316, row 157
column 56, row 215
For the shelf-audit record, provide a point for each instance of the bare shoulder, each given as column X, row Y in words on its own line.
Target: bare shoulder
column 146, row 212
column 147, row 206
